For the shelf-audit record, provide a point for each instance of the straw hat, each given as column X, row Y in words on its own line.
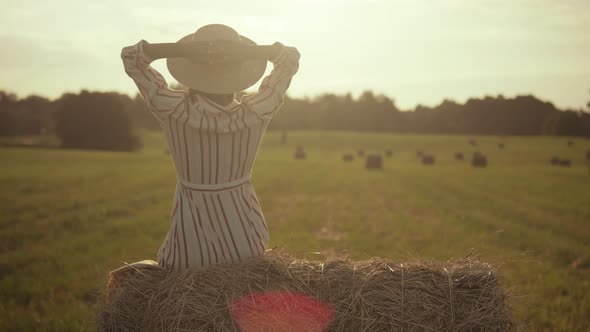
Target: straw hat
column 216, row 78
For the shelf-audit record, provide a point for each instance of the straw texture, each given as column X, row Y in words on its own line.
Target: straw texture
column 370, row 295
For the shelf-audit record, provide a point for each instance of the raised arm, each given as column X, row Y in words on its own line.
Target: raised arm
column 270, row 95
column 151, row 84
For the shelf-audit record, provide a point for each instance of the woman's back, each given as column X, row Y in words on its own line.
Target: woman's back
column 216, row 216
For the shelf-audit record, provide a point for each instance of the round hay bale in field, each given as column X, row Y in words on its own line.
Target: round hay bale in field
column 554, row 161
column 348, row 157
column 473, row 142
column 388, row 152
column 428, row 159
column 299, row 153
column 374, row 161
column 277, row 292
column 360, row 152
column 479, row 160
column 565, row 162
column 459, row 156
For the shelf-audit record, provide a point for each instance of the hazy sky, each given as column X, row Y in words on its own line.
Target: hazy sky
column 415, row 51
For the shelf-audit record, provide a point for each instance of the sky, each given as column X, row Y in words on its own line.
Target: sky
column 414, row 51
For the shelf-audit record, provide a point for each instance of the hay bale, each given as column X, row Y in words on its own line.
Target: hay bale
column 374, row 161
column 348, row 157
column 360, row 152
column 565, row 162
column 388, row 152
column 554, row 161
column 479, row 160
column 428, row 159
column 371, row 295
column 459, row 156
column 299, row 153
column 473, row 142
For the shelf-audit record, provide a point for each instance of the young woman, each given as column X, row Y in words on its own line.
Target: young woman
column 213, row 138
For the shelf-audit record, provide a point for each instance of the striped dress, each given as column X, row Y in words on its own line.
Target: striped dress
column 216, row 216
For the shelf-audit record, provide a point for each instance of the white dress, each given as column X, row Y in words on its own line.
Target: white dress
column 216, row 216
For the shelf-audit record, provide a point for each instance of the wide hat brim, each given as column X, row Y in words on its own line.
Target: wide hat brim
column 216, row 78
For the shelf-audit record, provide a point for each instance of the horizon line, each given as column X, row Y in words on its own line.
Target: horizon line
column 582, row 108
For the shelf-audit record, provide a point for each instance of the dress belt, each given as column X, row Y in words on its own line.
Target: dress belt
column 214, row 186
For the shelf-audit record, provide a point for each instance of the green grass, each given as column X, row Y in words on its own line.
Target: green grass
column 69, row 217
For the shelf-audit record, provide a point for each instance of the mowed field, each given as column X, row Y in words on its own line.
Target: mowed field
column 69, row 217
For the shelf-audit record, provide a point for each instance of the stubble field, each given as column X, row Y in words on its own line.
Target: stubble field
column 69, row 217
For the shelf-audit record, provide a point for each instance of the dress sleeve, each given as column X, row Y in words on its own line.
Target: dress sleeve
column 270, row 95
column 160, row 99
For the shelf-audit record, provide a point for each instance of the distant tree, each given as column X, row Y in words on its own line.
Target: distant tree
column 139, row 114
column 7, row 98
column 8, row 120
column 570, row 123
column 28, row 116
column 93, row 120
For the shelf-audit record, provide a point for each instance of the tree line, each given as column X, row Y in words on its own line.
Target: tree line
column 33, row 115
column 491, row 115
column 111, row 113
